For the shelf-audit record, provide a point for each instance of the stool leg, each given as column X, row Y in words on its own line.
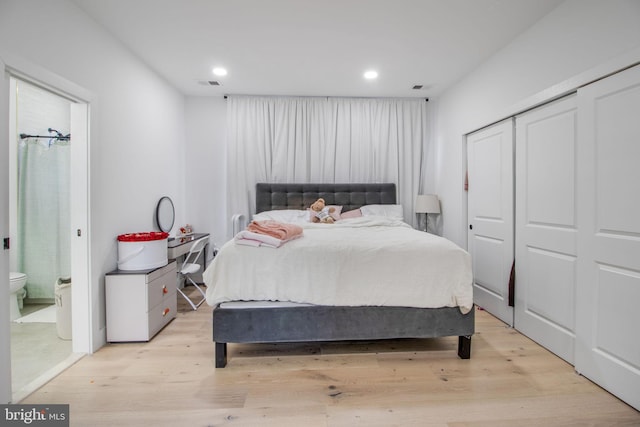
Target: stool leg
column 204, row 296
column 188, row 300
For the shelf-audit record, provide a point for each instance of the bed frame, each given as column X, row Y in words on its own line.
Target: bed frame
column 315, row 323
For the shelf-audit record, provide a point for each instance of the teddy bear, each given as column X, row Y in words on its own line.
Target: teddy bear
column 321, row 213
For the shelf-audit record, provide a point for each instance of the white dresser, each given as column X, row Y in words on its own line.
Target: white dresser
column 140, row 303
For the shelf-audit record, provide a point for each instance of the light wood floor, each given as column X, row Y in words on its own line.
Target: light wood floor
column 171, row 381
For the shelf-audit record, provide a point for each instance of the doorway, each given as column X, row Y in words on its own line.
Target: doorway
column 63, row 334
column 39, row 189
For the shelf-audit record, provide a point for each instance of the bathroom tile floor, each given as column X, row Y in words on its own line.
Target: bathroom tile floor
column 35, row 349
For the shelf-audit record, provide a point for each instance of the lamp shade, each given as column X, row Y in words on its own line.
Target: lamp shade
column 427, row 203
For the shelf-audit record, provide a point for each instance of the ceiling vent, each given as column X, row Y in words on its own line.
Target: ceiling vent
column 209, row 83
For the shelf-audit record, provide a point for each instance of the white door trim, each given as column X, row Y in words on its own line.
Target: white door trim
column 81, row 289
column 5, row 331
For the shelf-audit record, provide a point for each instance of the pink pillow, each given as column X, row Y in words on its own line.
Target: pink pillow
column 351, row 214
column 335, row 214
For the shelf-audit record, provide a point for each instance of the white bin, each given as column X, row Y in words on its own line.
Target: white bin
column 142, row 251
column 63, row 308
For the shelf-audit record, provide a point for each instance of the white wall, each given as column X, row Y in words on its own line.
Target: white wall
column 136, row 123
column 206, row 119
column 575, row 37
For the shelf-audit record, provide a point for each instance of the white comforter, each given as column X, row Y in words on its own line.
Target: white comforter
column 366, row 261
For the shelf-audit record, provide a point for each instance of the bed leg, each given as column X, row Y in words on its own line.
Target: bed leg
column 221, row 354
column 464, row 346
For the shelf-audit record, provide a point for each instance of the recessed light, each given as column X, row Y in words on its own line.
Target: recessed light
column 370, row 75
column 218, row 71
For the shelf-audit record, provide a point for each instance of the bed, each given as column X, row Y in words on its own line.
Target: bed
column 261, row 312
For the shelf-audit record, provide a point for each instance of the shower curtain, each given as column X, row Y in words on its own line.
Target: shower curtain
column 44, row 236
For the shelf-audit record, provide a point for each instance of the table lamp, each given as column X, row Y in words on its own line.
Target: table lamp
column 427, row 204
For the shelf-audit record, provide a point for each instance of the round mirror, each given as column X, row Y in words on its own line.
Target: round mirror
column 165, row 214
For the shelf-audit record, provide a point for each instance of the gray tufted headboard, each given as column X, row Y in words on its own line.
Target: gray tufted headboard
column 301, row 196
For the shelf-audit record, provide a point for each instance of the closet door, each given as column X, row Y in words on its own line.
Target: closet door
column 546, row 228
column 608, row 318
column 490, row 216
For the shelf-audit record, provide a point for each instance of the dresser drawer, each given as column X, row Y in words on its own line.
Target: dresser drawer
column 159, row 272
column 162, row 288
column 163, row 313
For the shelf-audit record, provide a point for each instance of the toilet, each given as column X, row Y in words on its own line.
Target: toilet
column 16, row 286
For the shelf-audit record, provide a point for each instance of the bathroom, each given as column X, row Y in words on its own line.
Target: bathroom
column 40, row 234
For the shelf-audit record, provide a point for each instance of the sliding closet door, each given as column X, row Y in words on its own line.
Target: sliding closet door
column 608, row 317
column 546, row 228
column 490, row 216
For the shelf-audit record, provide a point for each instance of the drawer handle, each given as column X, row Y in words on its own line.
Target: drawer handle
column 165, row 312
column 165, row 290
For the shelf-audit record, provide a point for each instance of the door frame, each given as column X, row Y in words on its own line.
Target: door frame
column 82, row 289
column 5, row 330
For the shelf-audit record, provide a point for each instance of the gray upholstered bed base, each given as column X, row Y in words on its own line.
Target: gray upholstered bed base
column 325, row 323
column 328, row 323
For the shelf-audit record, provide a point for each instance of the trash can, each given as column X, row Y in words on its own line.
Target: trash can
column 63, row 308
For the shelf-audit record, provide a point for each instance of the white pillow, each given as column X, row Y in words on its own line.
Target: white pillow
column 292, row 216
column 389, row 211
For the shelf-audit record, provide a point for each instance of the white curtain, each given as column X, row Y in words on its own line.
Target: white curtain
column 43, row 215
column 325, row 140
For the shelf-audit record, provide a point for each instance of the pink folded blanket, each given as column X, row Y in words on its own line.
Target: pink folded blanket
column 268, row 233
column 275, row 229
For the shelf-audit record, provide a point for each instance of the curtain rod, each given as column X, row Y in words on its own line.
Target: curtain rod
column 426, row 99
column 58, row 136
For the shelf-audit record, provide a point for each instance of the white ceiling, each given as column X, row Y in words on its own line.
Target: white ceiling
column 315, row 47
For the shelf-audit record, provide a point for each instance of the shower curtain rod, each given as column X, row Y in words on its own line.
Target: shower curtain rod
column 58, row 136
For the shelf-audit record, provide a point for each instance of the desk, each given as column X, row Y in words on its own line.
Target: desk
column 178, row 246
